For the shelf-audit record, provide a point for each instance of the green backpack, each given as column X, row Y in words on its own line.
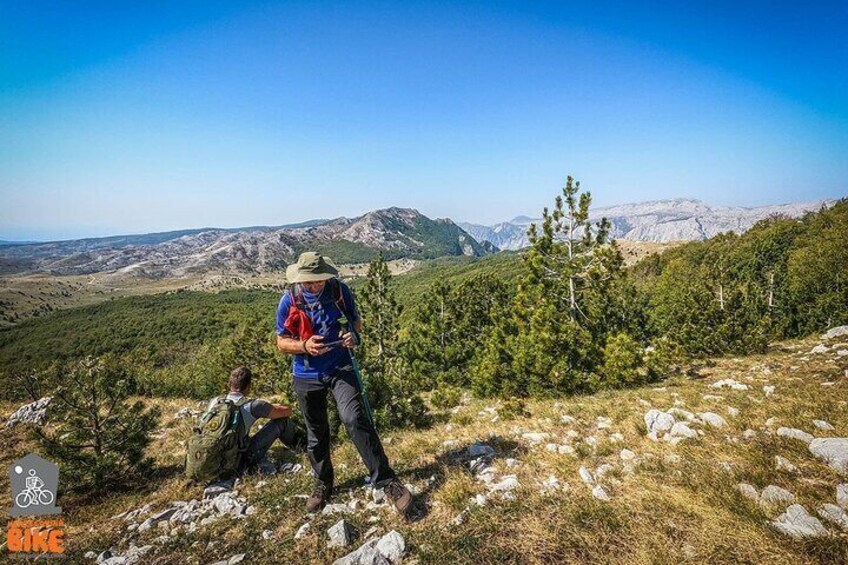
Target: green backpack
column 216, row 446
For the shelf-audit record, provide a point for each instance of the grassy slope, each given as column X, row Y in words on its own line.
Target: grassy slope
column 661, row 514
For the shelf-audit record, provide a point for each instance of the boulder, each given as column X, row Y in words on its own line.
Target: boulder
column 819, row 349
column 768, row 390
column 341, row 534
column 32, row 413
column 713, row 419
column 838, row 331
column 681, row 430
column 773, row 494
column 657, row 421
column 798, row 523
column 823, row 425
column 833, row 450
column 842, row 495
column 392, row 546
column 794, row 433
column 834, row 514
column 748, row 491
column 586, row 476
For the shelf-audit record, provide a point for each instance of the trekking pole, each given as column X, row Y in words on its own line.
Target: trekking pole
column 346, row 327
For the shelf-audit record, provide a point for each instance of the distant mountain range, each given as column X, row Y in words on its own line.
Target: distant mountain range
column 659, row 221
column 397, row 232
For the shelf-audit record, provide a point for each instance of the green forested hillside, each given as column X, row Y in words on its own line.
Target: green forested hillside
column 733, row 293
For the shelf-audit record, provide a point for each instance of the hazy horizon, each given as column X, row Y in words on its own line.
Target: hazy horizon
column 121, row 118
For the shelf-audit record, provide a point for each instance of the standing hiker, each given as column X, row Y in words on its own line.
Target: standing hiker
column 309, row 326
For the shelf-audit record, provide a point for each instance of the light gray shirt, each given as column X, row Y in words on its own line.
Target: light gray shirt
column 250, row 410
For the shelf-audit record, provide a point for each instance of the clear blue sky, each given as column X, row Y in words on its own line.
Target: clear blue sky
column 166, row 115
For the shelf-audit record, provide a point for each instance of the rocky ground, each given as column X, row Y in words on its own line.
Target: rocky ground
column 745, row 460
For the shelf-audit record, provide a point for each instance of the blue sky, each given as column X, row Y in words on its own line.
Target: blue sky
column 117, row 118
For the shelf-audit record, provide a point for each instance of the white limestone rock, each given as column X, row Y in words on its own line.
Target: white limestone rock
column 834, row 514
column 842, row 495
column 794, row 433
column 832, row 450
column 600, row 493
column 340, row 534
column 796, row 522
column 681, row 430
column 783, row 464
column 838, row 331
column 748, row 491
column 823, row 425
column 657, row 421
column 773, row 494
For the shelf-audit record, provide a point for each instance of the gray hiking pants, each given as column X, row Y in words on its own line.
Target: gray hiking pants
column 312, row 399
column 282, row 429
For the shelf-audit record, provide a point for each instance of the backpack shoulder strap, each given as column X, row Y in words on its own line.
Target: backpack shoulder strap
column 338, row 297
column 297, row 297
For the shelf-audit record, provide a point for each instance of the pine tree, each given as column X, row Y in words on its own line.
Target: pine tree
column 98, row 436
column 381, row 314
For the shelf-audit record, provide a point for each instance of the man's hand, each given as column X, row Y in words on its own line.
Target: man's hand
column 348, row 340
column 315, row 345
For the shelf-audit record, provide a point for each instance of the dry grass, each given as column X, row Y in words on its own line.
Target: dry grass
column 665, row 512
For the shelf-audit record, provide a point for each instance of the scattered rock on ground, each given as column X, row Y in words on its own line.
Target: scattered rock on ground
column 748, row 491
column 731, row 384
column 341, row 534
column 783, row 464
column 798, row 523
column 712, row 419
column 833, row 450
column 32, row 413
column 794, row 433
column 838, row 331
column 834, row 514
column 823, row 425
column 773, row 494
column 842, row 495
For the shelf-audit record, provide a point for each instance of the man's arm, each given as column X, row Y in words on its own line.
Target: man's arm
column 280, row 411
column 291, row 346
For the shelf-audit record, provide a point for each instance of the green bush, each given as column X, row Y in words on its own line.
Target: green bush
column 446, row 397
column 95, row 433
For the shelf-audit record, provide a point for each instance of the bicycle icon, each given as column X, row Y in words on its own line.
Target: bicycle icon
column 34, row 494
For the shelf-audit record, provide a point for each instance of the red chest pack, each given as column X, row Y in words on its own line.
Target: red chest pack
column 298, row 323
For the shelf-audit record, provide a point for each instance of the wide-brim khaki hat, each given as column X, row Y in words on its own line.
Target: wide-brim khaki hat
column 311, row 267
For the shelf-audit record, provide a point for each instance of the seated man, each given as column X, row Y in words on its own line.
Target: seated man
column 280, row 426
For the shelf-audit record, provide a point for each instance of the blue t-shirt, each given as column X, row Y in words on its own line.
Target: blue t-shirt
column 324, row 315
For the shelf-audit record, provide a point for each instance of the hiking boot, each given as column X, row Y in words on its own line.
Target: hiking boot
column 319, row 497
column 398, row 495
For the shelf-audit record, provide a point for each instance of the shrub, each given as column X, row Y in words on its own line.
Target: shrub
column 446, row 397
column 98, row 437
column 623, row 361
